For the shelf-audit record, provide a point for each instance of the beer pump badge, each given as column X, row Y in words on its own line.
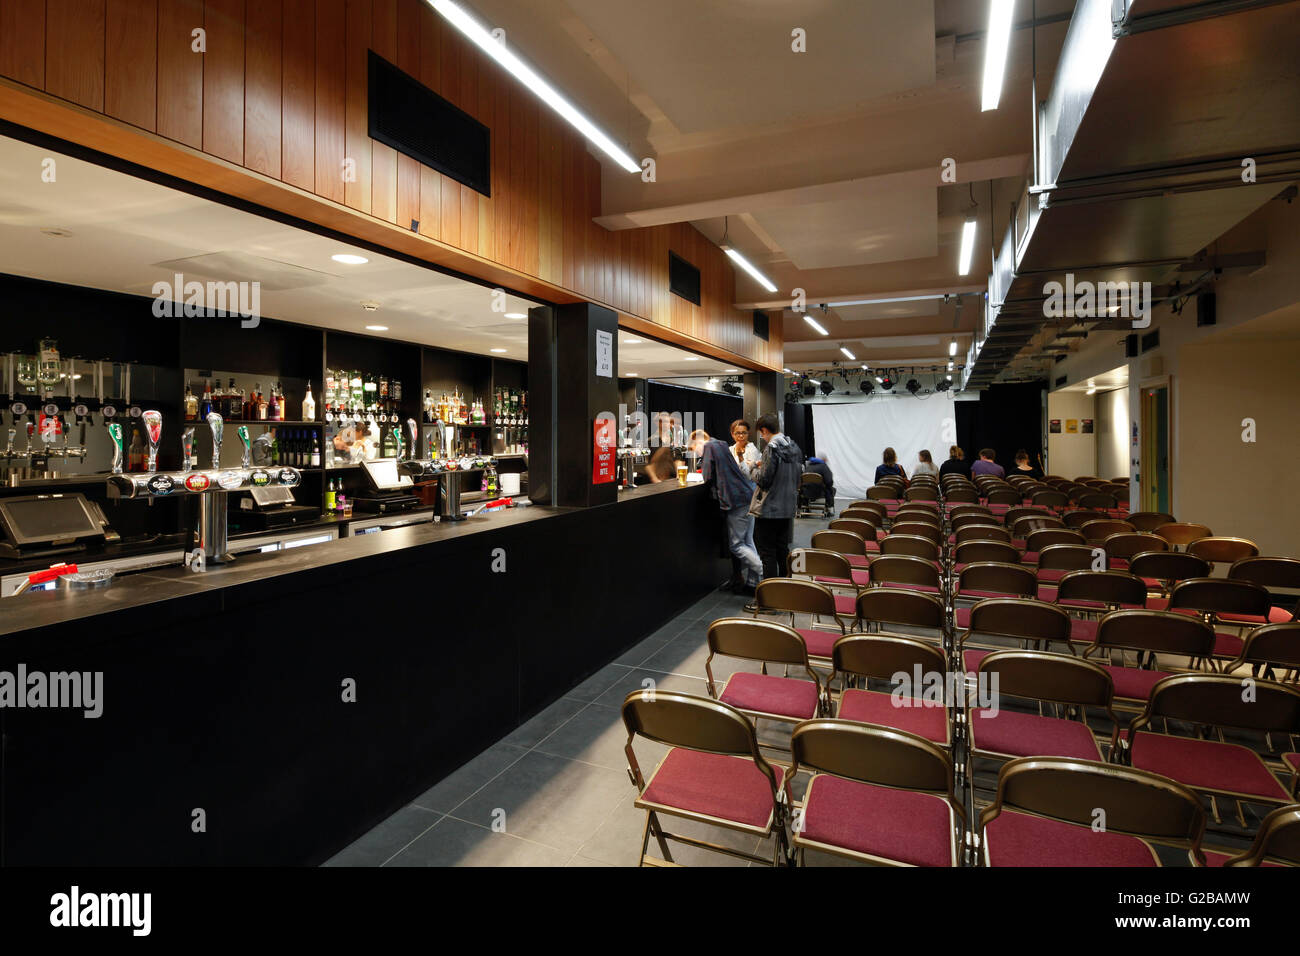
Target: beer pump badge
column 161, row 485
column 230, row 480
column 288, row 477
column 259, row 479
column 197, row 481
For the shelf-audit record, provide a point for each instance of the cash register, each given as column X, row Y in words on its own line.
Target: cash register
column 40, row 526
column 273, row 506
column 390, row 491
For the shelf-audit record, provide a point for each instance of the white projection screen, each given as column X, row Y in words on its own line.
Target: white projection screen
column 853, row 436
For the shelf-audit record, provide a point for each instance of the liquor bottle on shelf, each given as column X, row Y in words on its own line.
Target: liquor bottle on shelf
column 205, row 407
column 315, row 450
column 308, row 405
column 340, row 499
column 191, row 404
column 273, row 408
column 395, row 390
column 330, row 494
column 234, row 401
column 357, row 390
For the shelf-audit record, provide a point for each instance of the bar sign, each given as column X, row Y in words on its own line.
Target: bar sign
column 603, row 458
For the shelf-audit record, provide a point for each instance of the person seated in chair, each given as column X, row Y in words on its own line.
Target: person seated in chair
column 818, row 466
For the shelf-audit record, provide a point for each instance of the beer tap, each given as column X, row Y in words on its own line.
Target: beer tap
column 215, row 423
column 246, row 455
column 413, row 430
column 187, row 450
column 115, row 434
column 153, row 431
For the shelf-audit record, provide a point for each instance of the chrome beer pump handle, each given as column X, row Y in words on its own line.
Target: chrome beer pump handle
column 187, row 450
column 412, row 429
column 246, row 456
column 153, row 430
column 115, row 435
column 216, row 423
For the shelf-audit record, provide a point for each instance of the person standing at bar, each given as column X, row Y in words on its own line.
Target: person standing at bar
column 662, row 465
column 733, row 492
column 744, row 451
column 778, row 478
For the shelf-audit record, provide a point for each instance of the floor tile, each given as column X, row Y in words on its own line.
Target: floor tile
column 461, row 783
column 540, row 726
column 597, row 735
column 598, row 683
column 456, row 843
column 549, row 799
column 387, row 839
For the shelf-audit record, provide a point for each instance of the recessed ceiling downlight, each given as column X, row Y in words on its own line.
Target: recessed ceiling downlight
column 376, row 328
column 348, row 259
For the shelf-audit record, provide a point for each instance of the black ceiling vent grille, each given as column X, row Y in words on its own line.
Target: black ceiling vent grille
column 1061, row 381
column 416, row 121
column 1151, row 340
column 683, row 278
column 761, row 326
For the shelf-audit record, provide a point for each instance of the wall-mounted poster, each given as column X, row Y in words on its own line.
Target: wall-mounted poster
column 1072, row 426
column 1054, row 426
column 1087, row 426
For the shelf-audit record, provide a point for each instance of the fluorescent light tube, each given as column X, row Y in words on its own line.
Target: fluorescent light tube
column 848, row 355
column 967, row 247
column 745, row 264
column 906, row 298
column 521, row 71
column 813, row 322
column 997, row 43
column 952, row 347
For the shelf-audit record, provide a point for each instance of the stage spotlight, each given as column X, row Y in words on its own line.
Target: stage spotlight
column 867, row 387
column 827, row 387
column 942, row 385
column 913, row 386
column 887, row 382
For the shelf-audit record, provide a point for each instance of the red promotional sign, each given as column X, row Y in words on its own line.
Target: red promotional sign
column 602, row 471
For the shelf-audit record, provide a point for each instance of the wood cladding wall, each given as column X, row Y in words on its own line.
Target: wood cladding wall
column 281, row 90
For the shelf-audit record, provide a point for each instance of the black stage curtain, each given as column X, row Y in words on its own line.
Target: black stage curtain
column 799, row 427
column 1006, row 419
column 712, row 411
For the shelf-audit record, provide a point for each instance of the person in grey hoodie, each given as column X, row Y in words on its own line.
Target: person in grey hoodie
column 778, row 476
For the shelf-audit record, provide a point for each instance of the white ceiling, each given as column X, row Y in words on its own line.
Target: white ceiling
column 125, row 234
column 1105, row 382
column 718, row 63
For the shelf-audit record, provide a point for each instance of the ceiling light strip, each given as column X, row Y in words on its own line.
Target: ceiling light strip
column 767, row 284
column 462, row 21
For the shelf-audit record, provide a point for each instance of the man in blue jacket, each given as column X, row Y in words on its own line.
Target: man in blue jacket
column 733, row 492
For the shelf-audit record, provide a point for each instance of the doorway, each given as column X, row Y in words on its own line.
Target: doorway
column 1156, row 489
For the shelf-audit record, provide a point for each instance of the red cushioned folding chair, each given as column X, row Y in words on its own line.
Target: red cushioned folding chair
column 713, row 774
column 877, row 795
column 1215, row 767
column 1053, row 811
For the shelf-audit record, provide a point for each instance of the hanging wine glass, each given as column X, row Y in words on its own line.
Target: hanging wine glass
column 48, row 364
column 26, row 371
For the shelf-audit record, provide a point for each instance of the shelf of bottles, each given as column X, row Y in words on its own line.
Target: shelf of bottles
column 510, row 418
column 362, row 416
column 455, row 425
column 288, row 429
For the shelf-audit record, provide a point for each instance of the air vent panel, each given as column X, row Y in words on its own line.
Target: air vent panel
column 683, row 278
column 417, row 122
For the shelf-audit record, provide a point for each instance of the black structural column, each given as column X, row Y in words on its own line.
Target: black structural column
column 762, row 395
column 572, row 369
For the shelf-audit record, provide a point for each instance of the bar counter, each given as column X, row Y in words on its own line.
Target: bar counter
column 226, row 695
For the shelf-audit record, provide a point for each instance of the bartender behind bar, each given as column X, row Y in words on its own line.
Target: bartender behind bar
column 662, row 465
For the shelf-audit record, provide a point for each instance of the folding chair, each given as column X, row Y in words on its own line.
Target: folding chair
column 991, row 579
column 1046, row 814
column 1182, row 533
column 1027, row 620
column 1095, row 532
column 983, row 550
column 903, row 605
column 832, row 570
column 1004, row 496
column 1097, row 592
column 795, row 596
column 1223, row 550
column 764, row 696
column 713, row 774
column 876, row 796
column 1270, row 649
column 1122, row 547
column 1149, row 520
column 1037, row 540
column 1277, row 842
column 1215, row 767
column 1077, row 519
column 1055, row 561
column 812, row 486
column 1270, row 573
column 1050, row 499
column 922, row 492
column 1147, row 634
column 912, row 545
column 848, row 543
column 1212, row 598
column 965, row 494
column 1161, row 570
column 864, row 657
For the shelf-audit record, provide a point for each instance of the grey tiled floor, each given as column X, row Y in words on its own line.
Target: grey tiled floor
column 556, row 791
